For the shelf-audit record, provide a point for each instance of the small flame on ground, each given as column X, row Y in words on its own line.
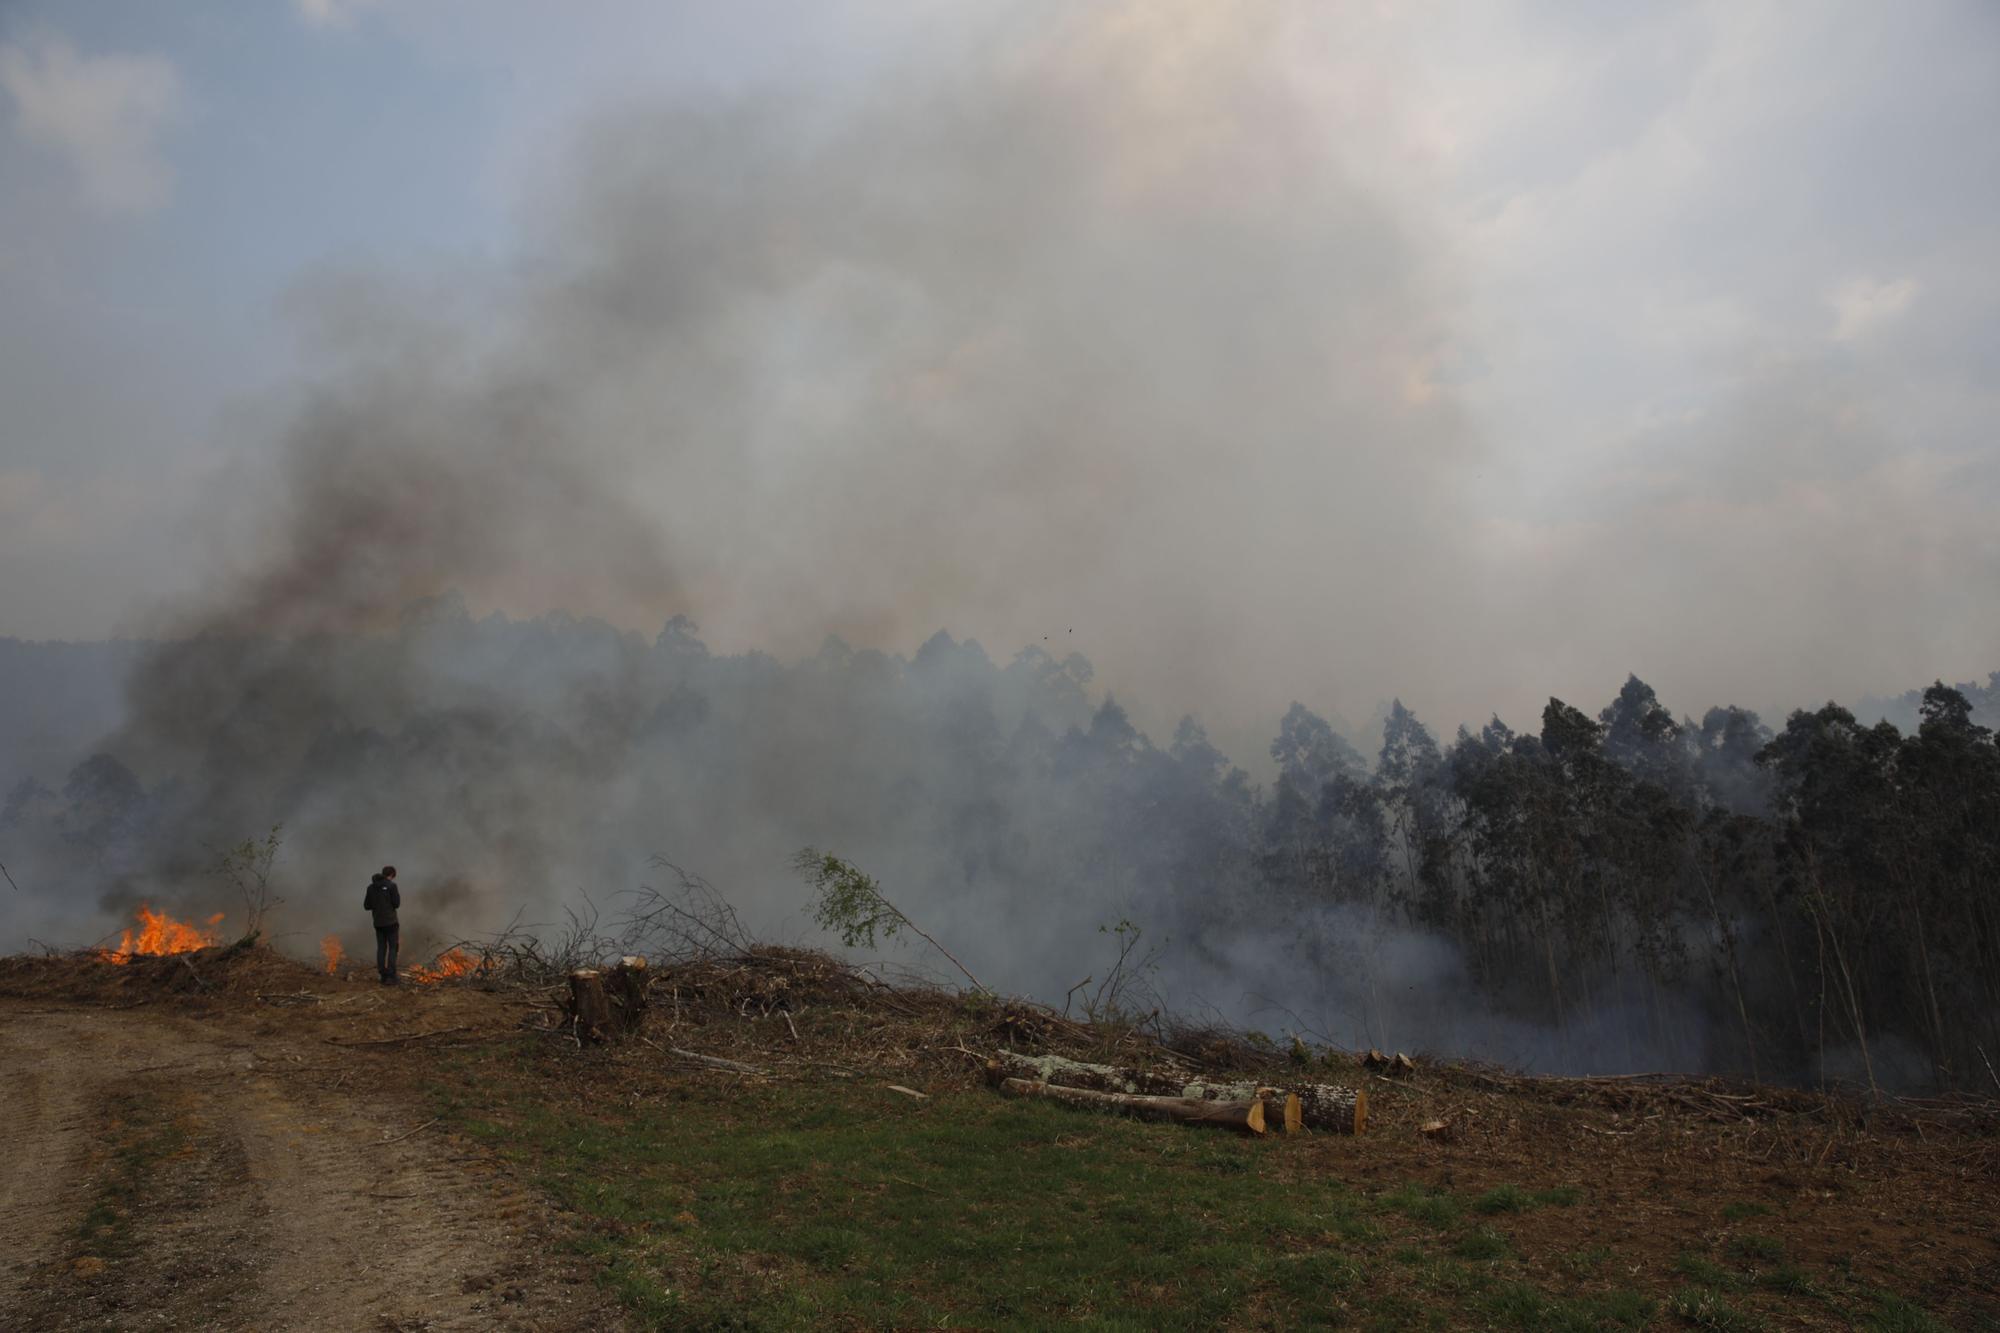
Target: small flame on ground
column 329, row 949
column 451, row 965
column 158, row 933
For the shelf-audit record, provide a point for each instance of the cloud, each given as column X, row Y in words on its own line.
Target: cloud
column 332, row 13
column 1861, row 305
column 103, row 115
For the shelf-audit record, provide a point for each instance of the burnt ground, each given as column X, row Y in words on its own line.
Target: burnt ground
column 238, row 1142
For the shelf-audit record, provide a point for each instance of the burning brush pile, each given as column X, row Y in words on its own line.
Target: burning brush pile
column 157, row 956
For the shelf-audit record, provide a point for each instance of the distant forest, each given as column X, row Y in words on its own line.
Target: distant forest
column 1818, row 900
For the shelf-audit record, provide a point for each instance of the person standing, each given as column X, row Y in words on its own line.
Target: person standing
column 382, row 900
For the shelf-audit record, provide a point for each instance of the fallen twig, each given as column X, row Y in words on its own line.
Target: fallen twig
column 717, row 1062
column 418, row 1130
column 391, row 1041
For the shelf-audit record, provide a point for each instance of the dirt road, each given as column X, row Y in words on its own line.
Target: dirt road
column 160, row 1172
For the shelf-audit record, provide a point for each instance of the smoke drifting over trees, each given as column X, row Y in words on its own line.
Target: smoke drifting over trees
column 1618, row 891
column 1111, row 329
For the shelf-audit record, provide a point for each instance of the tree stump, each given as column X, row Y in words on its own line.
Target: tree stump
column 589, row 1008
column 625, row 987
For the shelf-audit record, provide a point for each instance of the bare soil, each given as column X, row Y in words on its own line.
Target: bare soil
column 224, row 1160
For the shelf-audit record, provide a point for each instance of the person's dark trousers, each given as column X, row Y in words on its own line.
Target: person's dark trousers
column 386, row 940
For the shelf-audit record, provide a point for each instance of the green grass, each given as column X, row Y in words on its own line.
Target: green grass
column 1586, row 1261
column 1789, row 1279
column 1420, row 1203
column 1702, row 1308
column 805, row 1205
column 1756, row 1249
column 1743, row 1209
column 836, row 1205
column 1481, row 1243
column 1514, row 1199
column 1704, row 1271
column 1892, row 1314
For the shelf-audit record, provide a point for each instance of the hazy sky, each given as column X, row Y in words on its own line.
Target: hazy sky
column 1468, row 352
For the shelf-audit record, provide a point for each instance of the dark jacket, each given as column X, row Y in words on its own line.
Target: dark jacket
column 382, row 898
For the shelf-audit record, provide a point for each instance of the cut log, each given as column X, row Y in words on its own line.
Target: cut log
column 1076, row 1074
column 1322, row 1107
column 588, row 1009
column 1282, row 1110
column 1395, row 1066
column 1243, row 1115
column 1337, row 1110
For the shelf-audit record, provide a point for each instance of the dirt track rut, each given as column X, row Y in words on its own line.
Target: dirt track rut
column 160, row 1173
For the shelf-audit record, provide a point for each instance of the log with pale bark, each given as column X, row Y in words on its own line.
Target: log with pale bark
column 1321, row 1106
column 1325, row 1106
column 1244, row 1115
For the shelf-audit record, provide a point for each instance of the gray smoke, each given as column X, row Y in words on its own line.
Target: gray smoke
column 1094, row 340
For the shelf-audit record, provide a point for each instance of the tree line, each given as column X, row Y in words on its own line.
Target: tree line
column 1822, row 900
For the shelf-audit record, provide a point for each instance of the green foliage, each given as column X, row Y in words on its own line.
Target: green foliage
column 246, row 868
column 847, row 901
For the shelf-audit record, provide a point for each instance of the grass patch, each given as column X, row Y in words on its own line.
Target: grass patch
column 1744, row 1209
column 1586, row 1261
column 840, row 1206
column 1893, row 1314
column 1518, row 1305
column 1757, row 1249
column 1481, row 1244
column 1702, row 1308
column 1503, row 1199
column 1789, row 1279
column 1422, row 1203
column 1514, row 1199
column 1705, row 1271
column 834, row 1205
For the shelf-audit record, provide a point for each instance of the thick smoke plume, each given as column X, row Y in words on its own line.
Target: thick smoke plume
column 990, row 346
column 1098, row 340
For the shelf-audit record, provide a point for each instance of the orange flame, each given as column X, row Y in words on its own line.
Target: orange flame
column 451, row 965
column 329, row 949
column 159, row 933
